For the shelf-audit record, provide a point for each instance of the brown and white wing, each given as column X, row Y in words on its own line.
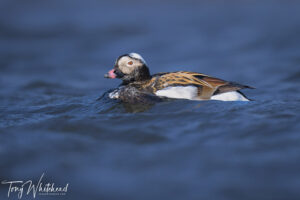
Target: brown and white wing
column 199, row 86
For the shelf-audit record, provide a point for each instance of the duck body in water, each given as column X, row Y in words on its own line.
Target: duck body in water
column 139, row 86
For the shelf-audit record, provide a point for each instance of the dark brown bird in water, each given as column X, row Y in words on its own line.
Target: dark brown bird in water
column 138, row 83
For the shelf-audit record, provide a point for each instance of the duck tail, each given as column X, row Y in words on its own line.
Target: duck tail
column 231, row 86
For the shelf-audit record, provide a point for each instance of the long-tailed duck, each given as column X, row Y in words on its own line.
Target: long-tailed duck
column 139, row 85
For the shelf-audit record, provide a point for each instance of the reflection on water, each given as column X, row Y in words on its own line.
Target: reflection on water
column 53, row 57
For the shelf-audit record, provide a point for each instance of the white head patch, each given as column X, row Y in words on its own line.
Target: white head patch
column 137, row 56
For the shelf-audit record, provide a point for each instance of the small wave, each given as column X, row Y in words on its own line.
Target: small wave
column 295, row 77
column 39, row 84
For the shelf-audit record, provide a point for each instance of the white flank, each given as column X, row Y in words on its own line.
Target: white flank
column 229, row 96
column 137, row 56
column 178, row 92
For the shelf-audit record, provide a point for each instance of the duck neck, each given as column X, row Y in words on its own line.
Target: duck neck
column 143, row 74
column 140, row 76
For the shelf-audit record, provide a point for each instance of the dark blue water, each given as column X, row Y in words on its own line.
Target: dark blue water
column 53, row 55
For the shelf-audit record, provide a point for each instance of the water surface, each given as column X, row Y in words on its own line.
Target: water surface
column 53, row 58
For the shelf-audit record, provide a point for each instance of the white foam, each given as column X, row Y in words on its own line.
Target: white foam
column 114, row 94
column 137, row 56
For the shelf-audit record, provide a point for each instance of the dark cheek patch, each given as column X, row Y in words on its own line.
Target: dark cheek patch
column 119, row 73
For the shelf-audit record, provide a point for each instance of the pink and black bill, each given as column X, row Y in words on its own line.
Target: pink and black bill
column 111, row 74
column 114, row 73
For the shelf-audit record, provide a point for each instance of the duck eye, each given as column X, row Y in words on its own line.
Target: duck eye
column 130, row 63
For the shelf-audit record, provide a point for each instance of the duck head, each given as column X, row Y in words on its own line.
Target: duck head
column 129, row 68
